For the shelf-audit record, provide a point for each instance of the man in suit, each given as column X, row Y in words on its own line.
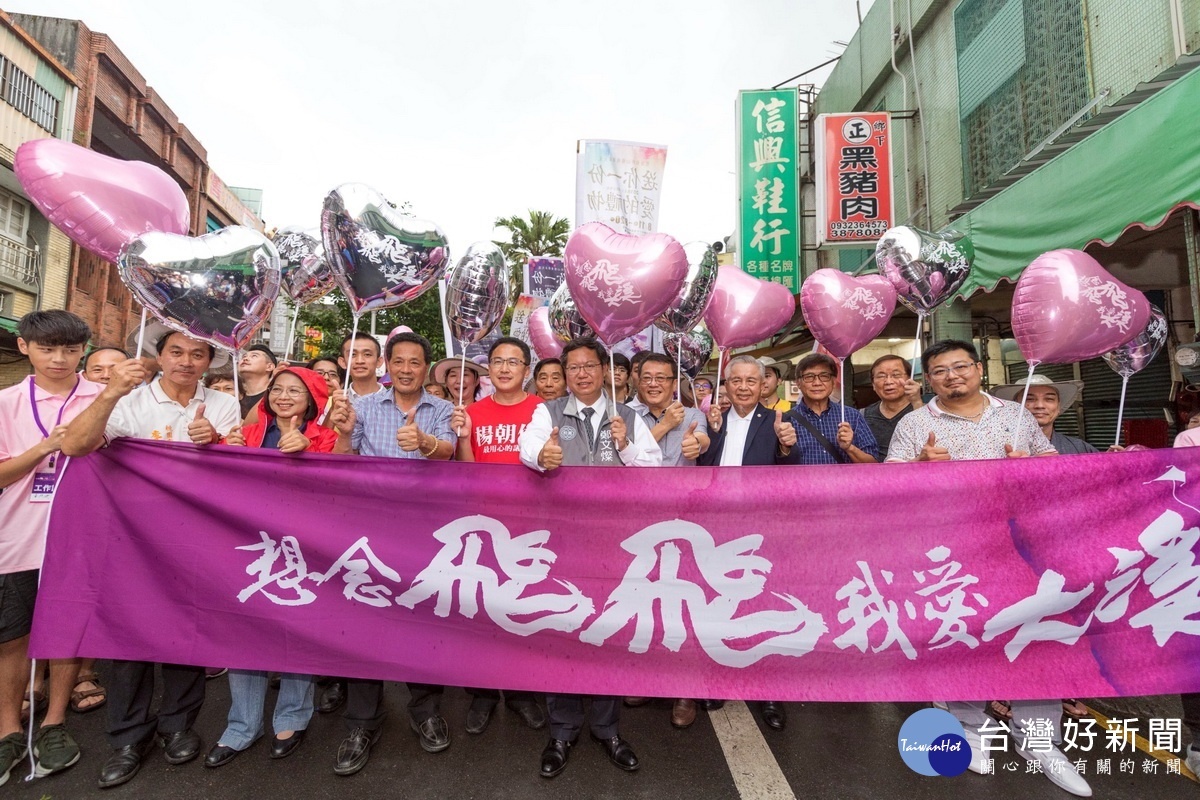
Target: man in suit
column 749, row 435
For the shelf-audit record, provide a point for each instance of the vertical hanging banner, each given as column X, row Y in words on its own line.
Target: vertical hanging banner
column 854, row 178
column 543, row 275
column 619, row 184
column 768, row 239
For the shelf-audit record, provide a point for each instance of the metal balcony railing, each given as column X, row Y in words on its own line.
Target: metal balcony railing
column 19, row 263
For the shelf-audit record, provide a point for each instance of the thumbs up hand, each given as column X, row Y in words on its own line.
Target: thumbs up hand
column 784, row 431
column 236, row 438
column 292, row 440
column 691, row 445
column 200, row 430
column 1009, row 452
column 408, row 436
column 932, row 451
column 551, row 455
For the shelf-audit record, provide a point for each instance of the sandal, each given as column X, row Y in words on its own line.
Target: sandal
column 1074, row 709
column 1001, row 710
column 79, row 696
column 39, row 704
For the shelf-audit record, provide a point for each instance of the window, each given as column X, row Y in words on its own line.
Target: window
column 28, row 96
column 14, row 216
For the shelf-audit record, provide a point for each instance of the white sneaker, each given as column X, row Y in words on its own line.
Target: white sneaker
column 1059, row 769
column 1193, row 760
column 977, row 754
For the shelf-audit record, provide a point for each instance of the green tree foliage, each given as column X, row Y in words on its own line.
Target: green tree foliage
column 331, row 315
column 542, row 234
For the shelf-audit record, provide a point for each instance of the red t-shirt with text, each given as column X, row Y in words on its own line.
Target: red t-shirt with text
column 496, row 429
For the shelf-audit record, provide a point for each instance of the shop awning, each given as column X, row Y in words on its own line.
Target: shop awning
column 9, row 325
column 1132, row 172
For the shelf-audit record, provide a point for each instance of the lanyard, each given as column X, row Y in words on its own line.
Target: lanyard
column 37, row 417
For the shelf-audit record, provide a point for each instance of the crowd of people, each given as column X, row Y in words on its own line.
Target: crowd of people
column 553, row 414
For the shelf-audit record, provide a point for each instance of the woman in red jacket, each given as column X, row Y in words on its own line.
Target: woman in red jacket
column 287, row 421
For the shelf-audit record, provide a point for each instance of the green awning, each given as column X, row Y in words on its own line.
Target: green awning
column 9, row 325
column 1133, row 171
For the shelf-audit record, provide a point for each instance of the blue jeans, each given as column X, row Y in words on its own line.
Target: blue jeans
column 293, row 709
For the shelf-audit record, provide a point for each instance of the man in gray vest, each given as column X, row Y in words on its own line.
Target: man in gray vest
column 585, row 428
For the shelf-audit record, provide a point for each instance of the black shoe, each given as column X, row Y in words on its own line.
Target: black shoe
column 124, row 763
column 774, row 715
column 619, row 752
column 479, row 715
column 529, row 711
column 433, row 733
column 180, row 747
column 333, row 697
column 554, row 757
column 220, row 755
column 273, row 681
column 282, row 748
column 711, row 705
column 354, row 751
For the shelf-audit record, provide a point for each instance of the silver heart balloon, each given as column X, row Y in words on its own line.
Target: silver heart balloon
column 380, row 258
column 926, row 268
column 305, row 274
column 691, row 349
column 1133, row 356
column 688, row 309
column 565, row 318
column 218, row 288
column 477, row 291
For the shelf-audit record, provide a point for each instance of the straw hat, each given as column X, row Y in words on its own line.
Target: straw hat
column 1068, row 391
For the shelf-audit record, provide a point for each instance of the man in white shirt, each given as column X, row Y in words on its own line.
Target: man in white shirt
column 174, row 407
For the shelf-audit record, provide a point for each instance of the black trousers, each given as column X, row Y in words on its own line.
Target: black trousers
column 494, row 695
column 131, row 692
column 364, row 703
column 567, row 714
column 1191, row 715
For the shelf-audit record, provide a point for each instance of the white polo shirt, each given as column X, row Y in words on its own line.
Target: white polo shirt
column 148, row 413
column 737, row 429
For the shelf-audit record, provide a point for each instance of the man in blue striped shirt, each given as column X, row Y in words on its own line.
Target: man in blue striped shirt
column 838, row 442
column 406, row 422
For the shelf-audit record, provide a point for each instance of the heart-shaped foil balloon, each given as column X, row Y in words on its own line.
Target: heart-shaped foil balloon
column 843, row 312
column 565, row 318
column 686, row 310
column 1068, row 308
column 477, row 290
column 1133, row 356
column 621, row 283
column 691, row 349
column 545, row 343
column 925, row 268
column 380, row 258
column 218, row 288
column 746, row 310
column 101, row 203
column 305, row 274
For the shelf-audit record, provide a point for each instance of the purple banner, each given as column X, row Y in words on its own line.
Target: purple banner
column 1073, row 576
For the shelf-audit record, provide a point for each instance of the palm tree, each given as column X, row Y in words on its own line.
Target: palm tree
column 542, row 234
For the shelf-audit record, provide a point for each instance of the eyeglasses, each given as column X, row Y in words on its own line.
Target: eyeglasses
column 326, row 373
column 575, row 369
column 294, row 392
column 515, row 363
column 652, row 380
column 958, row 369
column 817, row 377
column 891, row 376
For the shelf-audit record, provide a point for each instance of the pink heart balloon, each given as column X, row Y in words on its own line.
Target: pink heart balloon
column 1068, row 308
column 101, row 203
column 621, row 283
column 745, row 310
column 545, row 343
column 845, row 312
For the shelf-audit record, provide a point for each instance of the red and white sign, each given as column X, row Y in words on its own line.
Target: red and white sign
column 854, row 178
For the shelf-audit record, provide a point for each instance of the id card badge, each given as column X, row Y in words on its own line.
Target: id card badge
column 45, row 480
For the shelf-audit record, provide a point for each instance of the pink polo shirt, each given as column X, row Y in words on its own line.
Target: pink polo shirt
column 23, row 523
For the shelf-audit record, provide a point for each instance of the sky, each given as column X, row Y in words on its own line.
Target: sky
column 470, row 110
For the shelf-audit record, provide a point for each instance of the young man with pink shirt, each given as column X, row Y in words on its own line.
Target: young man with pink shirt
column 33, row 419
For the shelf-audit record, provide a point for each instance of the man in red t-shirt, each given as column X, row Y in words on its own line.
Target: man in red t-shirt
column 489, row 431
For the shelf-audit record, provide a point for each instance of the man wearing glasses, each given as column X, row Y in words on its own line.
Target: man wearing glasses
column 488, row 432
column 827, row 433
column 899, row 395
column 585, row 428
column 965, row 423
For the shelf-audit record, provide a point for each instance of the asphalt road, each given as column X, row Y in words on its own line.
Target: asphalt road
column 829, row 750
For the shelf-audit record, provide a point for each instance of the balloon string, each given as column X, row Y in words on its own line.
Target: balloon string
column 353, row 334
column 1121, row 409
column 612, row 374
column 679, row 368
column 236, row 391
column 917, row 343
column 141, row 334
column 292, row 334
column 462, row 378
column 842, row 385
column 717, row 389
column 1025, row 394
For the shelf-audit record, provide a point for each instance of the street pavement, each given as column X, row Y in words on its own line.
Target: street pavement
column 829, row 750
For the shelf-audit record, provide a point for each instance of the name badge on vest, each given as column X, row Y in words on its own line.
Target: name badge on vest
column 45, row 480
